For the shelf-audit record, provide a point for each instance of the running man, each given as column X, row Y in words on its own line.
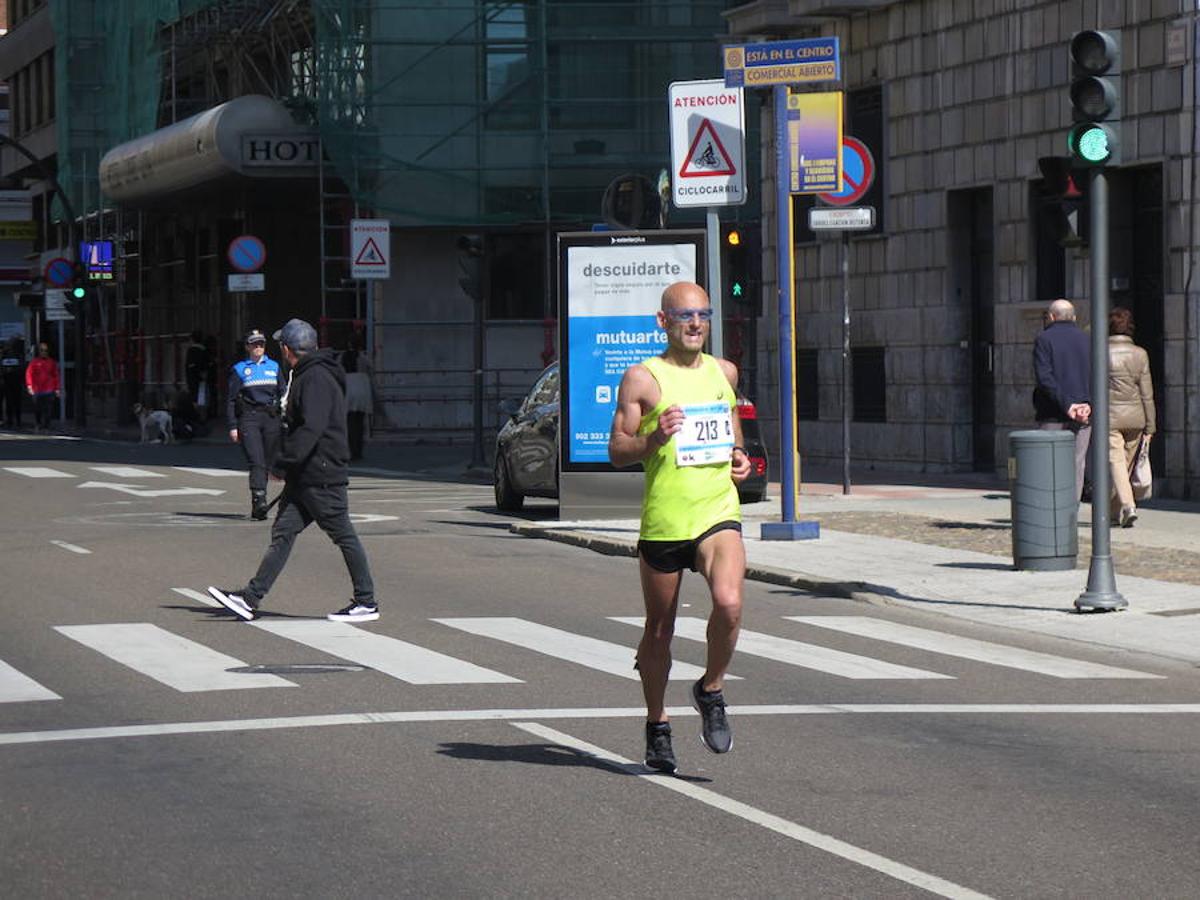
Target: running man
column 677, row 414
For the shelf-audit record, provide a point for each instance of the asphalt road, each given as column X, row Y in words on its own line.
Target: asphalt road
column 482, row 745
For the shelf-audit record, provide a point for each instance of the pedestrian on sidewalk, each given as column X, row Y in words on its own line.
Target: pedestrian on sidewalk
column 12, row 374
column 677, row 414
column 256, row 385
column 359, row 401
column 1130, row 410
column 44, row 385
column 313, row 464
column 1062, row 369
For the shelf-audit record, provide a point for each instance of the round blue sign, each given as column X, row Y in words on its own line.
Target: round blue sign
column 59, row 272
column 247, row 253
column 858, row 173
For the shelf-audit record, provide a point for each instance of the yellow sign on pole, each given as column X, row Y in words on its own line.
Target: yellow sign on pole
column 18, row 230
column 814, row 127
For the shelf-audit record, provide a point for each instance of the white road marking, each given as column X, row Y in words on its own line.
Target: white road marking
column 630, row 712
column 212, row 473
column 368, row 518
column 798, row 653
column 145, row 492
column 744, row 811
column 16, row 687
column 197, row 596
column 74, row 548
column 968, row 648
column 615, row 659
column 393, row 657
column 37, row 472
column 126, row 472
column 168, row 658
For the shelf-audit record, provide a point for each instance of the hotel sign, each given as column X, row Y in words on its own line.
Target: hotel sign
column 294, row 150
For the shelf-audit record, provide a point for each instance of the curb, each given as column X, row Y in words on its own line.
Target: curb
column 850, row 590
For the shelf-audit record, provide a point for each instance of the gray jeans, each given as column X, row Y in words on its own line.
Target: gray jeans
column 1083, row 437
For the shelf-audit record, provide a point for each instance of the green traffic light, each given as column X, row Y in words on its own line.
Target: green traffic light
column 737, row 289
column 78, row 292
column 1090, row 144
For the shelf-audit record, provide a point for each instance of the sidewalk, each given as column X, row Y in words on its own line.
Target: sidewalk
column 945, row 547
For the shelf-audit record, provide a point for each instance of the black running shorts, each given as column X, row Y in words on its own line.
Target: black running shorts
column 675, row 556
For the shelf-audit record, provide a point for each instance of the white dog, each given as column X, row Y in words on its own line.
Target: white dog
column 156, row 424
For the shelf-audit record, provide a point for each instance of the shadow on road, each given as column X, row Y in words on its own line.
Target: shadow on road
column 544, row 755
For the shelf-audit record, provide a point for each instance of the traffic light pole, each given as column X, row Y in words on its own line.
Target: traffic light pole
column 716, row 292
column 1101, row 594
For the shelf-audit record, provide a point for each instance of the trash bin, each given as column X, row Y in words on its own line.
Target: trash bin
column 1045, row 500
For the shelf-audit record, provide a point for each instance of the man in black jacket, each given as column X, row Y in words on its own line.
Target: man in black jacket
column 313, row 464
column 1062, row 368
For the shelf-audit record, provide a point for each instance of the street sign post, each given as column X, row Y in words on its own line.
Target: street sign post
column 708, row 161
column 849, row 218
column 370, row 248
column 56, row 307
column 246, row 253
column 858, row 174
column 782, row 62
column 708, row 144
column 814, row 128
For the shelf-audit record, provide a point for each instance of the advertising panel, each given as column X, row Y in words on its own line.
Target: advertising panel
column 611, row 287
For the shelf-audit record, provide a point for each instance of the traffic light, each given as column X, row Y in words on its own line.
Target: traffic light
column 78, row 281
column 1095, row 138
column 740, row 264
column 470, row 265
column 1063, row 201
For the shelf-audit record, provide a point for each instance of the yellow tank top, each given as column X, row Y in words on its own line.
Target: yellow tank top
column 680, row 503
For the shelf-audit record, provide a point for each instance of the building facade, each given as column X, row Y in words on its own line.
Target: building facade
column 958, row 101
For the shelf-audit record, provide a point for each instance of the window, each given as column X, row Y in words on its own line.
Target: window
column 808, row 385
column 1049, row 255
column 545, row 391
column 870, row 384
column 516, row 264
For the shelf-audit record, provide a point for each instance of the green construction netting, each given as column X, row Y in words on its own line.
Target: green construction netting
column 442, row 111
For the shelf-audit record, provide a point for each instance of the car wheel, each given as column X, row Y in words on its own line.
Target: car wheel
column 507, row 499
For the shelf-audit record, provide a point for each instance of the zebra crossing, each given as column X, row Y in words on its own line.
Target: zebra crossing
column 188, row 666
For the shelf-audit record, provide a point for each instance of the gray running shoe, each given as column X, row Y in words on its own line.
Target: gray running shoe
column 715, row 732
column 659, row 755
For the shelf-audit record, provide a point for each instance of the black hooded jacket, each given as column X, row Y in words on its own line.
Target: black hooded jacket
column 315, row 451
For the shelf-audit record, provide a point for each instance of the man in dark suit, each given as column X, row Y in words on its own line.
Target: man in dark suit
column 1062, row 367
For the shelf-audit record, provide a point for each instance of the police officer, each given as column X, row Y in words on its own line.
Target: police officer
column 252, row 413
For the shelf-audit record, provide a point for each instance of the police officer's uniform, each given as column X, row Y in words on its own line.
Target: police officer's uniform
column 253, row 409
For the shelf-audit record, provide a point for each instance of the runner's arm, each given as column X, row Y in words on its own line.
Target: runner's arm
column 740, row 464
column 637, row 393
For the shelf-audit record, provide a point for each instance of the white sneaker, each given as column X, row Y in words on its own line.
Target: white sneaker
column 233, row 602
column 355, row 612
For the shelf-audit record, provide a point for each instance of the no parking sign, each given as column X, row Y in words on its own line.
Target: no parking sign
column 858, row 174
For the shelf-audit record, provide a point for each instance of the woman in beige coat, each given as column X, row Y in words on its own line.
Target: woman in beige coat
column 1130, row 409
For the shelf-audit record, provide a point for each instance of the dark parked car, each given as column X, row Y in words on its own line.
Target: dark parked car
column 527, row 447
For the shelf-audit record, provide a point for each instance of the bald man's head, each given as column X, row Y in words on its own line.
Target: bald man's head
column 1061, row 311
column 684, row 295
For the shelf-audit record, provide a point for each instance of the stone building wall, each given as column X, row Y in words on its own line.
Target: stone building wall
column 974, row 93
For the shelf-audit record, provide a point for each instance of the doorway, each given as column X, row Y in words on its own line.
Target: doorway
column 971, row 253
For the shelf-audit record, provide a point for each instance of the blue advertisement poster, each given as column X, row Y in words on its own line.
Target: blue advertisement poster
column 613, row 293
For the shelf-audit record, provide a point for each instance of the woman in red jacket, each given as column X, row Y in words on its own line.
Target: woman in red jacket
column 43, row 384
